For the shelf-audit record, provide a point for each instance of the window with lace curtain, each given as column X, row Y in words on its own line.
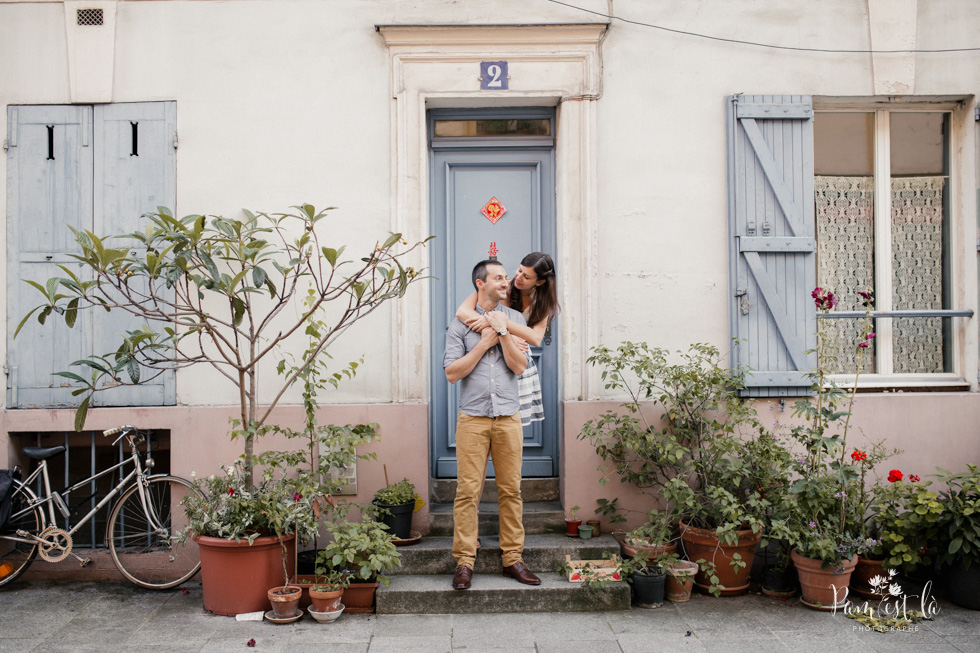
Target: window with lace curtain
column 881, row 190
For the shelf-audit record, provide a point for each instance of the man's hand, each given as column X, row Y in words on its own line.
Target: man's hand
column 489, row 338
column 497, row 320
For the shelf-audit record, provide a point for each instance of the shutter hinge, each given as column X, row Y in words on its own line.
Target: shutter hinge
column 978, row 244
column 6, row 144
column 6, row 371
column 175, row 139
column 976, row 113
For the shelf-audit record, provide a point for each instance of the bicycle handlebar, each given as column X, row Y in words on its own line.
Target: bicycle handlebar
column 125, row 429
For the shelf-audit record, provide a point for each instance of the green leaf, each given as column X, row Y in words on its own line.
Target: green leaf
column 392, row 239
column 72, row 313
column 70, row 375
column 259, row 277
column 81, row 414
column 26, row 317
column 331, row 255
column 239, row 308
column 955, row 545
column 134, row 370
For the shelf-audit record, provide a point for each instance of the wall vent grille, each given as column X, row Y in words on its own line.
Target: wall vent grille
column 90, row 17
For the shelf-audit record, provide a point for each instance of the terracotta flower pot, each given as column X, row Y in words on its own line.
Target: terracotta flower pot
column 236, row 577
column 701, row 543
column 861, row 578
column 571, row 527
column 284, row 600
column 680, row 580
column 629, row 547
column 823, row 588
column 325, row 600
column 359, row 597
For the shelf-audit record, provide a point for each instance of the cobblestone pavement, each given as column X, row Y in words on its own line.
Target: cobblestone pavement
column 62, row 616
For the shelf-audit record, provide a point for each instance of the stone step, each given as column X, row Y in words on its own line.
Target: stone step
column 443, row 490
column 425, row 594
column 543, row 553
column 539, row 517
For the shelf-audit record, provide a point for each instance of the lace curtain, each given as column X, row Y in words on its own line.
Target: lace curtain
column 845, row 264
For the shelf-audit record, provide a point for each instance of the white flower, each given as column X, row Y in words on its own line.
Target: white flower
column 878, row 581
column 895, row 589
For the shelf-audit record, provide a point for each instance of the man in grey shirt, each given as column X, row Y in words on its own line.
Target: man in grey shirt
column 489, row 423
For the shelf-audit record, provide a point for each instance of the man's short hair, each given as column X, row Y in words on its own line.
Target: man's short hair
column 480, row 270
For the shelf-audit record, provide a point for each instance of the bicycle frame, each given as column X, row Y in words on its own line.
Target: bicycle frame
column 48, row 498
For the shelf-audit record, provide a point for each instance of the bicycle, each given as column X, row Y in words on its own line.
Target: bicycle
column 140, row 530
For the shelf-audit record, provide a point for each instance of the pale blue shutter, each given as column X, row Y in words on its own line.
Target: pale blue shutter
column 49, row 188
column 135, row 172
column 771, row 217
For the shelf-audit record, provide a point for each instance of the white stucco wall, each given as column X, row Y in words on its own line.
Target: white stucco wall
column 285, row 101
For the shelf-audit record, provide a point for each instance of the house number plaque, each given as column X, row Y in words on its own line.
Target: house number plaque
column 493, row 76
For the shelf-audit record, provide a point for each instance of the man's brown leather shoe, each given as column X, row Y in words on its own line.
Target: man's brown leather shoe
column 463, row 578
column 522, row 574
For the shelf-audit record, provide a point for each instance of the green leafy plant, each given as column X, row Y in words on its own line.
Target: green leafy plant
column 958, row 523
column 222, row 292
column 570, row 513
column 816, row 518
column 695, row 457
column 364, row 546
column 397, row 494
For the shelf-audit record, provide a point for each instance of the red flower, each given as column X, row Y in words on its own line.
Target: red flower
column 297, row 496
column 914, row 478
column 894, row 476
column 231, row 491
column 250, row 643
column 858, row 455
column 824, row 299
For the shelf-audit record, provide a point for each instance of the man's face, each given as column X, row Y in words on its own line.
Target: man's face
column 496, row 285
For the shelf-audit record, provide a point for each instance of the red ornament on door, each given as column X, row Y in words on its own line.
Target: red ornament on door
column 493, row 210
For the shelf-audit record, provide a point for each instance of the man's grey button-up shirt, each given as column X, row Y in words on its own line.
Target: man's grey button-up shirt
column 490, row 390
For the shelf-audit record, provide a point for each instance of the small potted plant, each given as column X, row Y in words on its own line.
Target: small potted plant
column 396, row 504
column 363, row 547
column 648, row 579
column 326, row 592
column 571, row 522
column 959, row 536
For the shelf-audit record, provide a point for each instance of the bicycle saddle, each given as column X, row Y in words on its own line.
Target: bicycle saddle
column 42, row 453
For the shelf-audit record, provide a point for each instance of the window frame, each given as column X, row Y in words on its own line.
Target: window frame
column 962, row 339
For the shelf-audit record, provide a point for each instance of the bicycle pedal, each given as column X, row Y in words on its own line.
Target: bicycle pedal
column 85, row 562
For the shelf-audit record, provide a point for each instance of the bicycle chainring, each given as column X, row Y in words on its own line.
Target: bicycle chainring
column 55, row 544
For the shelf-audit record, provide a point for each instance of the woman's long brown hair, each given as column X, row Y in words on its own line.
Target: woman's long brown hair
column 544, row 298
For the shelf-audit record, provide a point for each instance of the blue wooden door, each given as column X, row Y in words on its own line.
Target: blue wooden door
column 466, row 174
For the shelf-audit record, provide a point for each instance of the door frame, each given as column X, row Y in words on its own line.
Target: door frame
column 440, row 289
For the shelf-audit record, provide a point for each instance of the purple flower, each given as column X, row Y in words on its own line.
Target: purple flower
column 813, row 525
column 824, row 299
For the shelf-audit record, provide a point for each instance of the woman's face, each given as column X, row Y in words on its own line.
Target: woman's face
column 526, row 278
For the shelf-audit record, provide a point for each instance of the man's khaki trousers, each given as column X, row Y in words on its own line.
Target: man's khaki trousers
column 476, row 439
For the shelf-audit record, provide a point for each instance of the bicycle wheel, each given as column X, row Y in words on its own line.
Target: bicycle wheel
column 16, row 552
column 145, row 555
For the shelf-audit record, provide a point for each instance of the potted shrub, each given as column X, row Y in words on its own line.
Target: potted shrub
column 572, row 522
column 699, row 459
column 958, row 528
column 231, row 293
column 818, row 519
column 680, row 580
column 396, row 504
column 363, row 548
column 240, row 525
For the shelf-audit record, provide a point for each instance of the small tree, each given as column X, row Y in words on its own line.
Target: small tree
column 215, row 290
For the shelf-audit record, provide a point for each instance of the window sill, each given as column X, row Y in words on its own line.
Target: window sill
column 903, row 382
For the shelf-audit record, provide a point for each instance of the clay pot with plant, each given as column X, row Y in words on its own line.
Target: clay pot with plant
column 396, row 505
column 572, row 522
column 698, row 457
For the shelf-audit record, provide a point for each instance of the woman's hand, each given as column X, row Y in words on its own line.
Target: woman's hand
column 521, row 344
column 478, row 323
